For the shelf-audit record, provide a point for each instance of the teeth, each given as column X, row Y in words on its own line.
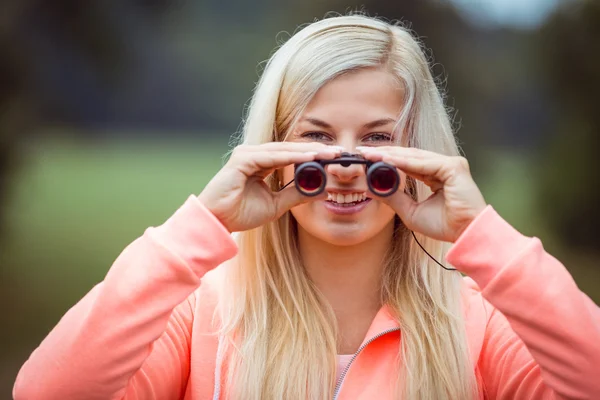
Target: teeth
column 348, row 198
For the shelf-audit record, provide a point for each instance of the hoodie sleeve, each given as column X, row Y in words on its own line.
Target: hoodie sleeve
column 542, row 340
column 140, row 315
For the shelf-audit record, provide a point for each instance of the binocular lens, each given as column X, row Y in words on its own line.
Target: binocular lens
column 310, row 180
column 382, row 180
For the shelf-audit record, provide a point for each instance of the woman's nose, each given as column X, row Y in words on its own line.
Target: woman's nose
column 351, row 172
column 346, row 174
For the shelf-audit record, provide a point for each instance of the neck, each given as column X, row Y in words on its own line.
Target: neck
column 348, row 276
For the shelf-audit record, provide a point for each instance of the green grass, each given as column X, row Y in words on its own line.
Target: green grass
column 75, row 206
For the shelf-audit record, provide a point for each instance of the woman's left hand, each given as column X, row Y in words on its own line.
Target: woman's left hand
column 456, row 199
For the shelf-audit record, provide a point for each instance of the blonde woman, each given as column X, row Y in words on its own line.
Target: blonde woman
column 331, row 296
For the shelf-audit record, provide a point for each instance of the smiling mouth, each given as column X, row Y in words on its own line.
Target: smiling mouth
column 352, row 204
column 347, row 200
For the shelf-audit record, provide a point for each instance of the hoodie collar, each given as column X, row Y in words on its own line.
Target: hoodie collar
column 383, row 321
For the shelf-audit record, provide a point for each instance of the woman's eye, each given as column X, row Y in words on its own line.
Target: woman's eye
column 317, row 136
column 378, row 137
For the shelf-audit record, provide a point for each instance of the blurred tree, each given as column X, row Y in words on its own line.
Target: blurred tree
column 13, row 115
column 569, row 45
column 485, row 74
column 84, row 26
column 15, row 106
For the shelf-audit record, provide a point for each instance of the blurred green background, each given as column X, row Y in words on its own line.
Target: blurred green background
column 112, row 113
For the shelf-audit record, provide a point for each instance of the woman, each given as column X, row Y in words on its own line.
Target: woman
column 331, row 296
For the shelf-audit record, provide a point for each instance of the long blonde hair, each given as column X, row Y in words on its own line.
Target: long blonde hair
column 281, row 332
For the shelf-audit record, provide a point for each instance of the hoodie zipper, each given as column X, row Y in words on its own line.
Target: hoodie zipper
column 340, row 381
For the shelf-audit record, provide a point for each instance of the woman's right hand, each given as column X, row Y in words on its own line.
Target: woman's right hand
column 238, row 195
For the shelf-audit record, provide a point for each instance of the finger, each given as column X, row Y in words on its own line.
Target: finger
column 439, row 169
column 399, row 150
column 383, row 153
column 290, row 197
column 403, row 205
column 265, row 162
column 434, row 167
column 294, row 146
column 433, row 184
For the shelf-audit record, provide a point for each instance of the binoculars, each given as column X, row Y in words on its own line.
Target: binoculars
column 382, row 178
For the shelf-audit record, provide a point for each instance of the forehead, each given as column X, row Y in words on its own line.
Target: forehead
column 366, row 93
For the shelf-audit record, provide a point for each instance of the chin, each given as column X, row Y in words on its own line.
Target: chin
column 341, row 236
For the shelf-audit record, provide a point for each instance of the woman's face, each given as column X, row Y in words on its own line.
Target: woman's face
column 356, row 109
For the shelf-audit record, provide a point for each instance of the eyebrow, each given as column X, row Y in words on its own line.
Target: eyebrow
column 369, row 125
column 378, row 123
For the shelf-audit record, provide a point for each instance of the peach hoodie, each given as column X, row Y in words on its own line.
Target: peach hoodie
column 145, row 331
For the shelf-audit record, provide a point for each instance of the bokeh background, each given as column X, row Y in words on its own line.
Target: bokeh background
column 113, row 112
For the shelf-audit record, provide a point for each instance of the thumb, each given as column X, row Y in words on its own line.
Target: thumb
column 290, row 197
column 403, row 204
